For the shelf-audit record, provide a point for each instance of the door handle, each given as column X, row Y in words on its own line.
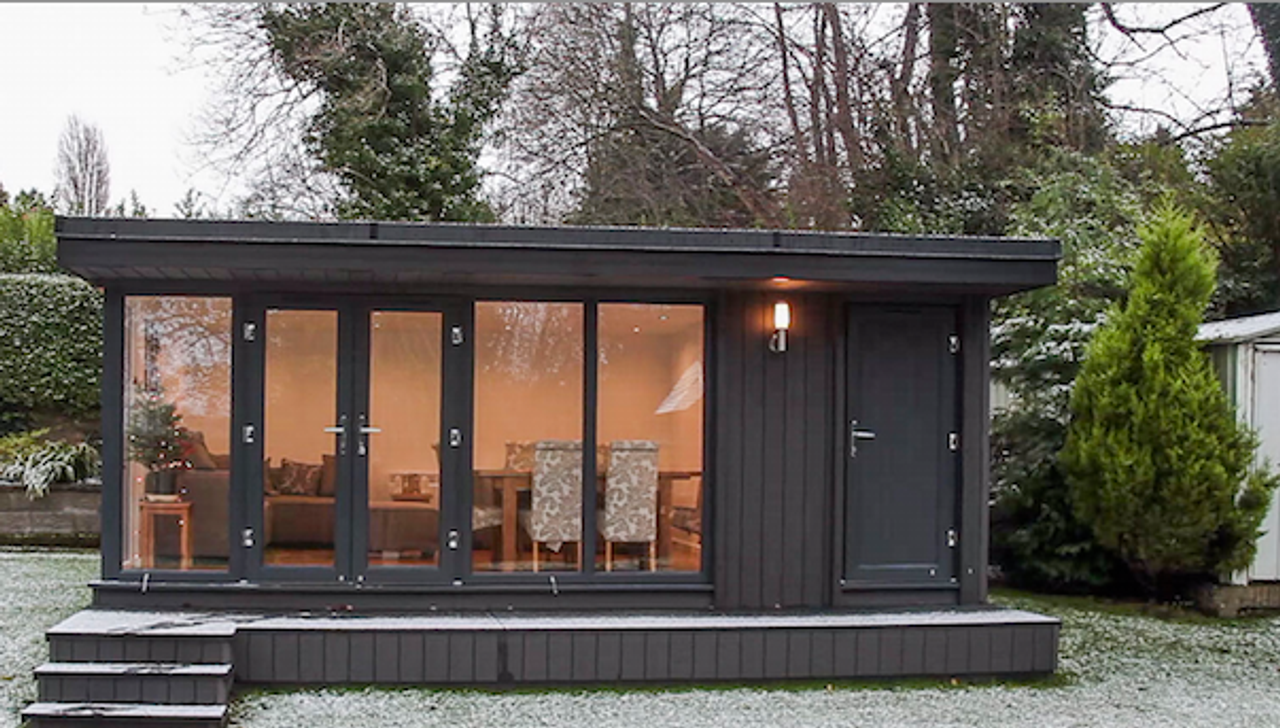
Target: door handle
column 340, row 430
column 362, row 446
column 856, row 434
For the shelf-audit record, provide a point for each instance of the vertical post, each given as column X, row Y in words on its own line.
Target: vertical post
column 975, row 517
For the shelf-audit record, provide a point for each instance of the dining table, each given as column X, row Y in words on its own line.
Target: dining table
column 509, row 483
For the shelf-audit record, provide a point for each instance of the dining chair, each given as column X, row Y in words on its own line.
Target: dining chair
column 631, row 498
column 555, row 512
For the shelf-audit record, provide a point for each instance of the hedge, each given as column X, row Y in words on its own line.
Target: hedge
column 50, row 344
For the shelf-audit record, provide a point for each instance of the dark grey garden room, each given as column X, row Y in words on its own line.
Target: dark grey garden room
column 460, row 454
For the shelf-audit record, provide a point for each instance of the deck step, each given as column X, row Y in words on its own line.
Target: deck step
column 60, row 715
column 134, row 682
column 111, row 636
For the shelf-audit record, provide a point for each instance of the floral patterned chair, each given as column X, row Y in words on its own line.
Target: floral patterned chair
column 555, row 513
column 631, row 498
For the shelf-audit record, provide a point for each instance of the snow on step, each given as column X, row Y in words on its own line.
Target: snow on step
column 79, row 669
column 126, row 711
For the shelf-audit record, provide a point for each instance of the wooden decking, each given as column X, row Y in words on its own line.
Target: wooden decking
column 109, row 656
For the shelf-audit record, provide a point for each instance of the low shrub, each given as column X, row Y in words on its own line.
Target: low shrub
column 53, row 462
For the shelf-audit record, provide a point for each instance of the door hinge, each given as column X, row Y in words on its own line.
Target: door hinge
column 455, row 437
column 246, row 537
column 453, row 540
column 953, row 344
column 249, row 331
column 247, row 434
column 952, row 538
column 953, row 441
column 455, row 335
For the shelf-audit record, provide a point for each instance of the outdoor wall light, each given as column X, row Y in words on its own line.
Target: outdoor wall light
column 781, row 322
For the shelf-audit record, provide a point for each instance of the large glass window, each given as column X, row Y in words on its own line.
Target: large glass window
column 649, row 412
column 527, row 512
column 530, row 391
column 177, row 424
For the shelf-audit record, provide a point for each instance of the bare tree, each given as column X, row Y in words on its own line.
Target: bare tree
column 83, row 173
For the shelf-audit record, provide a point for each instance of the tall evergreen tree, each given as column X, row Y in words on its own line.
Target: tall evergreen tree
column 1157, row 464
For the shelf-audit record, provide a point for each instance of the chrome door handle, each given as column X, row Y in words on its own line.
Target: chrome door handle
column 370, row 430
column 856, row 434
column 340, row 430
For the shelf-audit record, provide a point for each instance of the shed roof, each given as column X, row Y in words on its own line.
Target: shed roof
column 104, row 249
column 1243, row 328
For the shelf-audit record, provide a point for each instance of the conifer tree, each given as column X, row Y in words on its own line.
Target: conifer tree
column 1156, row 462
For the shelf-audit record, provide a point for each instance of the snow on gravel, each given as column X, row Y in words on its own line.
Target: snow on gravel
column 38, row 589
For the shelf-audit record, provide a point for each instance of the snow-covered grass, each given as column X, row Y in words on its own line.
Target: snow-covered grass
column 37, row 590
column 1119, row 667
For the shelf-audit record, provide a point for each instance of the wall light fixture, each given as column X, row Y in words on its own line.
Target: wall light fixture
column 781, row 322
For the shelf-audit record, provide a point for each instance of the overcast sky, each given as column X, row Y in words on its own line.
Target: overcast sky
column 121, row 67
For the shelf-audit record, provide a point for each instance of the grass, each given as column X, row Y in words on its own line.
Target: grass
column 1121, row 663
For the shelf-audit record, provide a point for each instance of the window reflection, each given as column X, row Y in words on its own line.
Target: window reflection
column 300, row 473
column 527, row 512
column 177, row 423
column 649, row 426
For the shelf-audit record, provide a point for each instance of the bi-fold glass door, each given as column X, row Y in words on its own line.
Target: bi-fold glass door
column 353, row 441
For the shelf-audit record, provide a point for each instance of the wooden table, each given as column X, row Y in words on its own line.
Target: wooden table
column 509, row 483
column 149, row 510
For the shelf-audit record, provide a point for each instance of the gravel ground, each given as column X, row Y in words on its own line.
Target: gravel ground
column 1118, row 668
column 38, row 589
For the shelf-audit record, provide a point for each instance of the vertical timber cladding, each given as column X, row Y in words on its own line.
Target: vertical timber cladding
column 773, row 470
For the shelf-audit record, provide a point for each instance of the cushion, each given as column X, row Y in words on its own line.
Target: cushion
column 328, row 475
column 299, row 478
column 221, row 461
column 270, row 478
column 194, row 451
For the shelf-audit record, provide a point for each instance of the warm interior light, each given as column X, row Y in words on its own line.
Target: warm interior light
column 781, row 315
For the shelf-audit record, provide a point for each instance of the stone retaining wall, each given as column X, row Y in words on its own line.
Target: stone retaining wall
column 68, row 515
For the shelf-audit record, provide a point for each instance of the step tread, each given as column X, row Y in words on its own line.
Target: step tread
column 87, row 669
column 112, row 623
column 137, row 711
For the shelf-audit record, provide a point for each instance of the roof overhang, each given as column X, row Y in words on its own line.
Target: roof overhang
column 104, row 250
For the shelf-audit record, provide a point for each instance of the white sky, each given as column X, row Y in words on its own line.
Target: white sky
column 120, row 66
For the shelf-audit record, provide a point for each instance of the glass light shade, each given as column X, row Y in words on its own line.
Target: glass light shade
column 781, row 315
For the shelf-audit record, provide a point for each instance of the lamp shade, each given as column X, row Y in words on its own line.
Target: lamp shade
column 781, row 315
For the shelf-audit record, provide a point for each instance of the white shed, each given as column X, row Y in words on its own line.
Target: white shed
column 1246, row 356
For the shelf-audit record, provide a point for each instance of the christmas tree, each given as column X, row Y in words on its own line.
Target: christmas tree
column 157, row 440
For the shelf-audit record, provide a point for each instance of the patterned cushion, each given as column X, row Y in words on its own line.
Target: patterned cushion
column 555, row 515
column 299, row 478
column 631, row 492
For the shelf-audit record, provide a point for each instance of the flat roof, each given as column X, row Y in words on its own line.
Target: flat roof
column 1243, row 328
column 124, row 249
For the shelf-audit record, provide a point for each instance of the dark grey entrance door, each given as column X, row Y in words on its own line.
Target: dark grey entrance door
column 901, row 448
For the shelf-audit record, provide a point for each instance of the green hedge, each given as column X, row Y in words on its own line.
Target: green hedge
column 50, row 344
